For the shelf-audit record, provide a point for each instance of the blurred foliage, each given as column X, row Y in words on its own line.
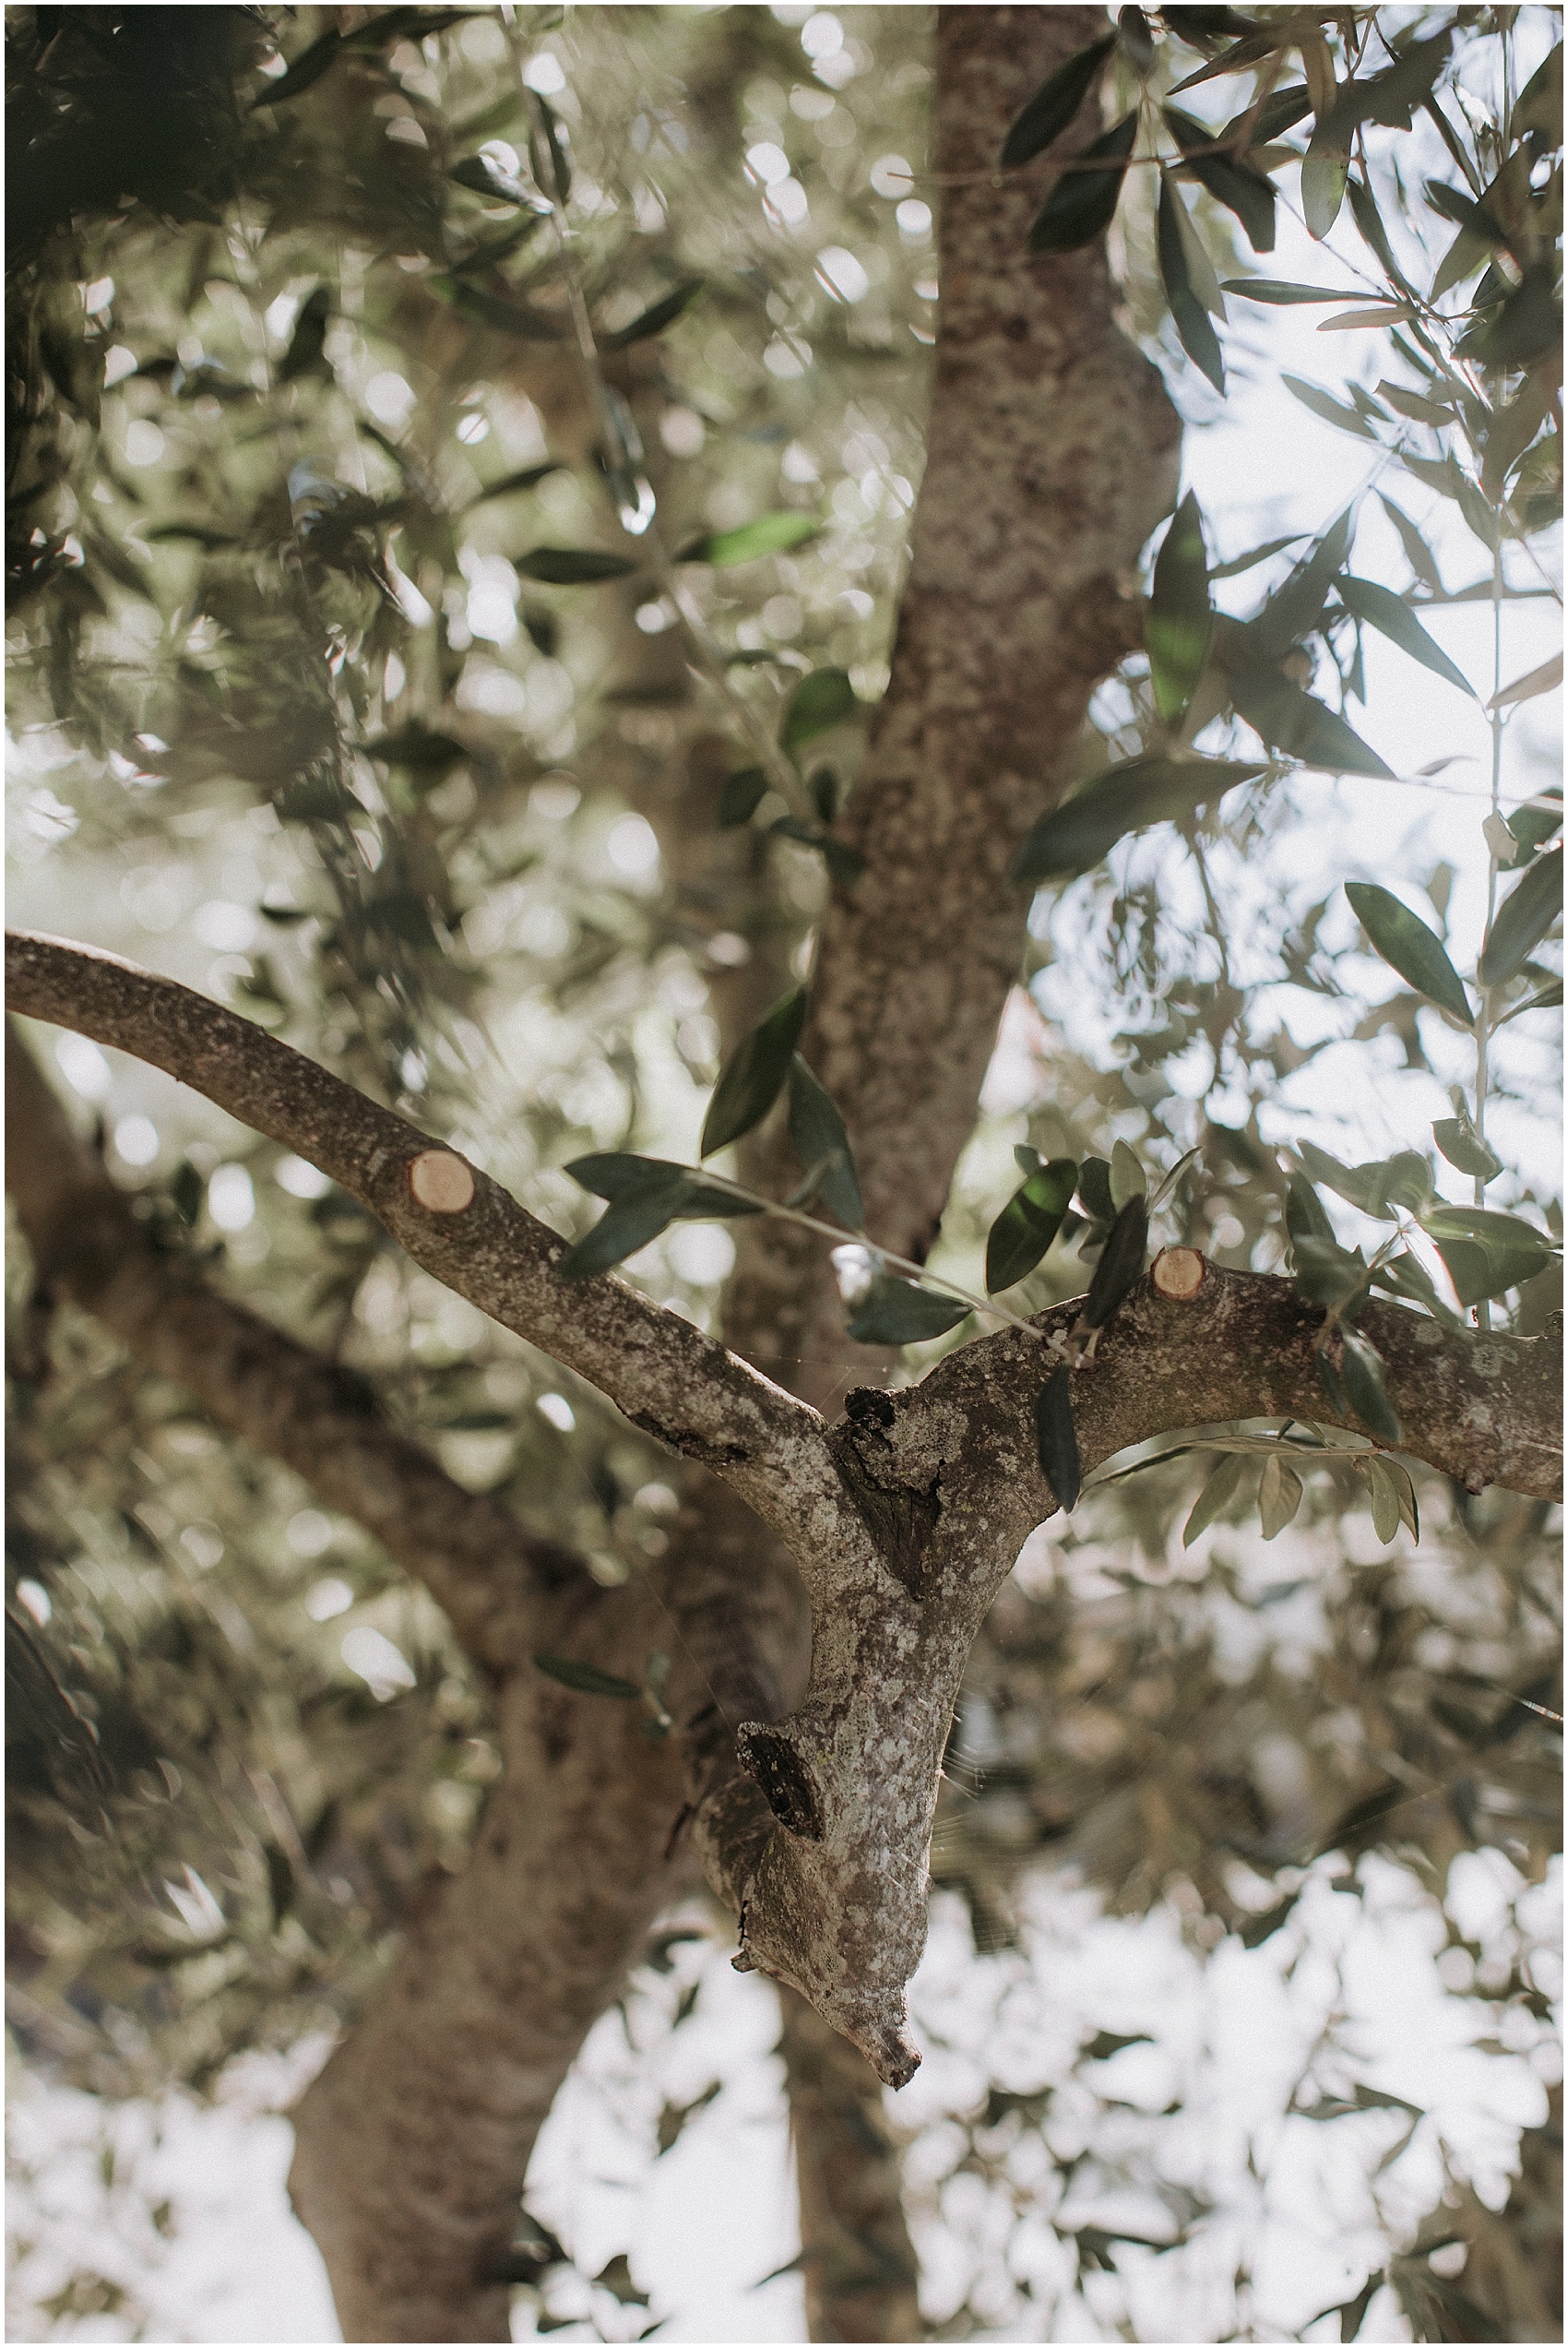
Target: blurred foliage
column 445, row 712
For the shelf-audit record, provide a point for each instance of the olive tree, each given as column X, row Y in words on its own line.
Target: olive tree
column 272, row 290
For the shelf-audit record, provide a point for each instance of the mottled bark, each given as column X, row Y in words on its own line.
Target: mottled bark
column 1052, row 453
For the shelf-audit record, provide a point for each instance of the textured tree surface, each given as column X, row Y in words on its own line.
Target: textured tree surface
column 837, row 1547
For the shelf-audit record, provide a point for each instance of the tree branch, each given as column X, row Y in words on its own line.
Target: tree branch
column 319, row 1419
column 1053, row 452
column 670, row 1379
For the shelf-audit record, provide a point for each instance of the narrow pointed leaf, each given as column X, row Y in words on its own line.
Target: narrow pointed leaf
column 1322, row 403
column 1546, row 679
column 1522, row 920
column 656, row 318
column 1179, row 623
column 1418, row 553
column 1296, row 606
column 617, row 1174
column 898, row 1312
column 572, row 567
column 1054, row 104
column 1385, row 1509
column 1362, row 1372
column 1279, row 1496
column 628, row 1224
column 306, row 69
column 512, row 484
column 818, row 703
column 1029, row 1224
column 818, row 1139
column 1128, row 1179
column 1056, row 1440
column 1382, row 609
column 1094, row 1189
column 1324, row 178
column 1083, row 202
column 1275, row 289
column 1187, row 315
column 587, row 1679
column 1407, row 946
column 1237, row 185
column 1074, row 838
column 1216, row 1496
column 1278, row 114
column 1120, row 1265
column 769, row 534
column 1257, row 554
column 1292, row 720
column 1305, row 1214
column 750, row 1085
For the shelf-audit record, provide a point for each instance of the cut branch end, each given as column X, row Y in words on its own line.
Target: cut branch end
column 441, row 1182
column 1178, row 1272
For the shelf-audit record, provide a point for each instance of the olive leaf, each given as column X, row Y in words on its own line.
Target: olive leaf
column 769, row 534
column 1188, row 312
column 1083, row 202
column 1128, row 1179
column 1056, row 1440
column 819, row 702
column 1392, row 617
column 1075, row 836
column 1178, row 622
column 657, row 317
column 899, row 1312
column 572, row 566
column 1028, row 1223
column 748, row 1088
column 1522, row 920
column 743, row 793
column 1322, row 403
column 1486, row 1253
column 587, row 1679
column 1216, row 1496
column 1054, row 104
column 1361, row 1370
column 1279, row 291
column 1463, row 1145
column 819, row 1142
column 1407, row 946
column 1305, row 1215
column 1120, row 1265
column 1279, row 1496
column 1290, row 720
column 1237, row 185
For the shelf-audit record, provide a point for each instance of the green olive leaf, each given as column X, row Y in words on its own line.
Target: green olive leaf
column 1407, row 946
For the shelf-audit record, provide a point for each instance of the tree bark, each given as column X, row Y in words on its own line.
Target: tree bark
column 1053, row 453
column 1052, row 456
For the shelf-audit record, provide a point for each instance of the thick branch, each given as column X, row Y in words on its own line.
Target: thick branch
column 833, row 1901
column 1051, row 453
column 670, row 1379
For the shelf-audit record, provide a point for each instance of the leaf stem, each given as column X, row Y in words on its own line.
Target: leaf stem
column 903, row 1263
